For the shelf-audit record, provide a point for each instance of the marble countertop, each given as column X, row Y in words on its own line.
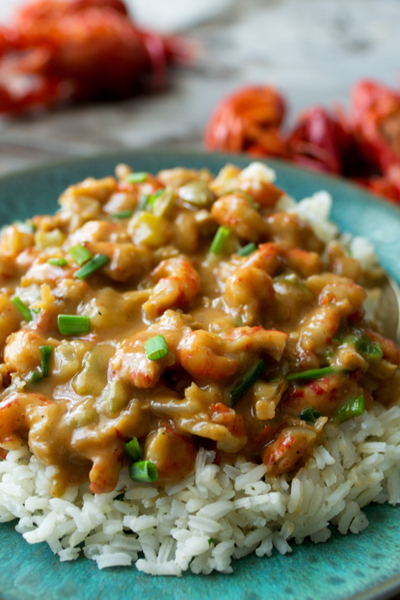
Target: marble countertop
column 311, row 50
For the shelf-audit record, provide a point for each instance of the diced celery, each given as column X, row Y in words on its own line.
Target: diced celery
column 49, row 239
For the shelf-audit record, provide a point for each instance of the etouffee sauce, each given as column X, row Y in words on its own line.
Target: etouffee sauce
column 287, row 300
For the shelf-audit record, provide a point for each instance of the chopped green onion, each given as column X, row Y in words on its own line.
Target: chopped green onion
column 154, row 197
column 352, row 408
column 46, row 352
column 124, row 214
column 310, row 415
column 80, row 254
column 58, row 262
column 246, row 250
column 73, row 324
column 137, row 177
column 93, row 265
column 156, row 347
column 339, row 337
column 367, row 348
column 219, row 240
column 370, row 350
column 23, row 308
column 133, row 450
column 313, row 373
column 142, row 203
column 210, row 541
column 143, row 471
column 120, row 497
column 35, row 377
column 35, row 310
column 243, row 386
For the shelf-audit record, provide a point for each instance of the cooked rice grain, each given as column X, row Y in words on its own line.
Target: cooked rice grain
column 218, row 513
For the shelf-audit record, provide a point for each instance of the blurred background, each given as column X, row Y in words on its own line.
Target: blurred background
column 312, row 51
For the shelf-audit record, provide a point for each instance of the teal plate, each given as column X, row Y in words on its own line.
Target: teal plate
column 363, row 567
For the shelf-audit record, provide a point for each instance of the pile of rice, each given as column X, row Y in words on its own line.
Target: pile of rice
column 216, row 514
column 219, row 512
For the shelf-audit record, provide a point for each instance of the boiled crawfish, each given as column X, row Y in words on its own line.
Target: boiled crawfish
column 363, row 144
column 248, row 120
column 79, row 50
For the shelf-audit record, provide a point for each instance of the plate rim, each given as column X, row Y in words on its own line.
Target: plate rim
column 148, row 152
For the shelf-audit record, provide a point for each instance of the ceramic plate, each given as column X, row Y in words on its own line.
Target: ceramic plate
column 363, row 567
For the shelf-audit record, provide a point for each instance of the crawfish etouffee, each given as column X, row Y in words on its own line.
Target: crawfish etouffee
column 153, row 315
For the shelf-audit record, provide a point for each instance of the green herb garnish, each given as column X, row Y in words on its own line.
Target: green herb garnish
column 23, row 308
column 46, row 352
column 154, row 197
column 156, row 347
column 137, row 177
column 35, row 377
column 310, row 415
column 246, row 250
column 247, row 382
column 352, row 408
column 58, row 262
column 219, row 240
column 124, row 214
column 133, row 449
column 144, row 471
column 93, row 265
column 313, row 373
column 80, row 254
column 73, row 324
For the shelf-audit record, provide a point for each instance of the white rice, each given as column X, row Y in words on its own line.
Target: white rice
column 218, row 513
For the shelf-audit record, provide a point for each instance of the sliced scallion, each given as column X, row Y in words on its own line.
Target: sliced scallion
column 142, row 203
column 154, row 197
column 137, row 177
column 312, row 374
column 310, row 415
column 156, row 347
column 73, row 324
column 369, row 349
column 133, row 449
column 23, row 308
column 246, row 250
column 58, row 262
column 219, row 240
column 46, row 352
column 35, row 377
column 352, row 408
column 144, row 471
column 247, row 382
column 124, row 214
column 93, row 265
column 80, row 254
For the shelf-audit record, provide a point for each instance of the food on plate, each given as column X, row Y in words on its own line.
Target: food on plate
column 188, row 372
column 363, row 144
column 80, row 50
